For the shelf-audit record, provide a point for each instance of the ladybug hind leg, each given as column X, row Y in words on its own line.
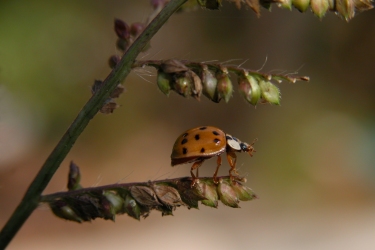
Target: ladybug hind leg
column 217, row 169
column 232, row 158
column 196, row 166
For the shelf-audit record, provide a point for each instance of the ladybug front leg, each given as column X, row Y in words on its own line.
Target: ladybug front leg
column 217, row 169
column 196, row 165
column 232, row 158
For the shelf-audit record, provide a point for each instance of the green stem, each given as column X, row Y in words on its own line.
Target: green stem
column 32, row 197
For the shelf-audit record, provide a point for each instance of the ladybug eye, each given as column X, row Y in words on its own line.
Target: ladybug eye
column 243, row 146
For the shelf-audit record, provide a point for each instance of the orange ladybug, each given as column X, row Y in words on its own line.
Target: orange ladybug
column 201, row 143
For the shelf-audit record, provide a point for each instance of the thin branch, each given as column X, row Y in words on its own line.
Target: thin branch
column 32, row 197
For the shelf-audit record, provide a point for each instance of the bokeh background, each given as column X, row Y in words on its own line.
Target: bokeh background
column 314, row 169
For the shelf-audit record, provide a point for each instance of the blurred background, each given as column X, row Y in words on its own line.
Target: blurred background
column 314, row 169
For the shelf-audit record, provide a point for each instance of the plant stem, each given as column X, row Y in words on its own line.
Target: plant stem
column 32, row 197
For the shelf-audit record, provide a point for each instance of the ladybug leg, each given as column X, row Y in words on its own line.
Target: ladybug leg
column 196, row 165
column 217, row 169
column 232, row 158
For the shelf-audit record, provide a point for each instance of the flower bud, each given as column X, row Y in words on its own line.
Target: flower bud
column 270, row 92
column 209, row 83
column 319, row 7
column 249, row 87
column 164, row 82
column 122, row 29
column 74, row 177
column 227, row 195
column 113, row 61
column 301, row 5
column 136, row 29
column 122, row 44
column 224, row 86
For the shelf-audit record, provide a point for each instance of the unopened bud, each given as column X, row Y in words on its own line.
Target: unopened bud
column 286, row 4
column 122, row 29
column 74, row 177
column 136, row 29
column 63, row 210
column 196, row 90
column 113, row 61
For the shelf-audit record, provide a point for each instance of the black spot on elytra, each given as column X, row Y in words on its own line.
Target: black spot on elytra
column 202, row 128
column 196, row 137
column 183, row 141
column 216, row 140
column 184, row 151
column 202, row 150
column 184, row 135
column 215, row 132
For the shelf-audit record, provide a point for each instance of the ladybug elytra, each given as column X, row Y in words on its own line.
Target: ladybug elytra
column 201, row 143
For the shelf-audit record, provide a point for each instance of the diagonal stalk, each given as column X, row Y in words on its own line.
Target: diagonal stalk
column 32, row 197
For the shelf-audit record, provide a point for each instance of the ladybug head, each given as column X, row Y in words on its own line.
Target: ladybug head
column 248, row 148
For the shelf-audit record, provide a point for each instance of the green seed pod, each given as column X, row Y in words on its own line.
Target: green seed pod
column 182, row 85
column 286, row 4
column 224, row 86
column 227, row 195
column 270, row 92
column 132, row 208
column 243, row 193
column 63, row 210
column 301, row 5
column 319, row 7
column 249, row 87
column 116, row 201
column 164, row 82
column 208, row 190
column 209, row 83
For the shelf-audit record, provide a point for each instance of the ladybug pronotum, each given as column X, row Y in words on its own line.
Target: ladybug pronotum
column 201, row 143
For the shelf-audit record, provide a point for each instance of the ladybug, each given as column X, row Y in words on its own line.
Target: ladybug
column 201, row 143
